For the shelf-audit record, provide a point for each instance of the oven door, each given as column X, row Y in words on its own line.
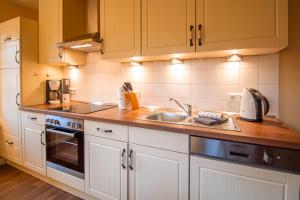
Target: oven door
column 65, row 150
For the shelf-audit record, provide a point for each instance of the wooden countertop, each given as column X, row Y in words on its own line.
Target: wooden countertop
column 271, row 132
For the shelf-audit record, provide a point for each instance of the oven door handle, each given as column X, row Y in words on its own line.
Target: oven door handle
column 61, row 132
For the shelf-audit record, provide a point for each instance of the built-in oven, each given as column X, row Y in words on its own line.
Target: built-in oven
column 65, row 145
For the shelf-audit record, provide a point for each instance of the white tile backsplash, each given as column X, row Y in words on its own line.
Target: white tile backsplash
column 204, row 83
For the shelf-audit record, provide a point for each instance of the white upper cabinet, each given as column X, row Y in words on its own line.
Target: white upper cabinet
column 10, row 54
column 60, row 20
column 120, row 28
column 168, row 26
column 10, row 30
column 241, row 24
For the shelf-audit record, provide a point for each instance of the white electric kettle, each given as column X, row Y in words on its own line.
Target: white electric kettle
column 253, row 105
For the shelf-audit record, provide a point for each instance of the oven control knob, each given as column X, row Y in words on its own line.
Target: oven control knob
column 74, row 125
column 79, row 125
column 267, row 159
column 52, row 121
column 69, row 124
column 48, row 120
column 56, row 122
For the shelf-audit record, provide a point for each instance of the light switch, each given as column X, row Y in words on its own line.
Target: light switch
column 234, row 102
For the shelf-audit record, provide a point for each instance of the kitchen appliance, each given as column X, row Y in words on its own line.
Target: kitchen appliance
column 253, row 105
column 65, row 145
column 259, row 155
column 65, row 90
column 53, row 91
column 82, row 108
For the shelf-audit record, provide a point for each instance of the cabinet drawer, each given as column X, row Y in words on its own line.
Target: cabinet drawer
column 159, row 139
column 105, row 130
column 35, row 118
column 11, row 148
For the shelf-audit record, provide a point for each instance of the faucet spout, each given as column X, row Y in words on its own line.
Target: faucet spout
column 187, row 109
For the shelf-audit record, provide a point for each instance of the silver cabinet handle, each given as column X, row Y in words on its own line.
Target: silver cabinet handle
column 42, row 133
column 10, row 143
column 32, row 118
column 200, row 34
column 192, row 35
column 60, row 53
column 130, row 159
column 16, row 57
column 101, row 49
column 123, row 158
column 8, row 38
column 104, row 131
column 17, row 99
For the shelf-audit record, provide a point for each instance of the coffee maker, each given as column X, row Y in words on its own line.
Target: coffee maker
column 57, row 91
column 53, row 91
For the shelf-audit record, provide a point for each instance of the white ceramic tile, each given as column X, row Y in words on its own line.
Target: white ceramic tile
column 198, row 76
column 204, row 83
column 269, row 75
column 270, row 91
column 269, row 60
column 231, row 73
column 249, row 76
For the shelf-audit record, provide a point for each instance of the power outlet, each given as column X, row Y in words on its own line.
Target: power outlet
column 73, row 90
column 234, row 102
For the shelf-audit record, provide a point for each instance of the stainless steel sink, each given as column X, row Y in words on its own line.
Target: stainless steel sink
column 170, row 117
column 181, row 118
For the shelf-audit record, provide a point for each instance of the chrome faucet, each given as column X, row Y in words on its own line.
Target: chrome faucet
column 187, row 109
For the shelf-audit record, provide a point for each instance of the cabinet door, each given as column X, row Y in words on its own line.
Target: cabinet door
column 239, row 24
column 105, row 168
column 50, row 30
column 235, row 182
column 10, row 30
column 168, row 26
column 9, row 111
column 34, row 151
column 120, row 23
column 10, row 55
column 157, row 174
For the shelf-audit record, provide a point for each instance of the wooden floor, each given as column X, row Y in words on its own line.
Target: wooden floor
column 17, row 185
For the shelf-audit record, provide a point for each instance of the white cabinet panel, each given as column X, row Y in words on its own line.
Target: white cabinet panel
column 34, row 151
column 239, row 24
column 10, row 55
column 236, row 182
column 168, row 26
column 157, row 174
column 106, row 168
column 120, row 23
column 9, row 111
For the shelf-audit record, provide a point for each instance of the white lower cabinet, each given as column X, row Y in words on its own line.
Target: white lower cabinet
column 106, row 168
column 156, row 174
column 34, row 150
column 217, row 180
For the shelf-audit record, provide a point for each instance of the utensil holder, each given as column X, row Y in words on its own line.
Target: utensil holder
column 132, row 98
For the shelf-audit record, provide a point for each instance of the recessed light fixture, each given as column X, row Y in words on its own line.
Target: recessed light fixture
column 81, row 46
column 234, row 58
column 136, row 63
column 176, row 61
column 73, row 67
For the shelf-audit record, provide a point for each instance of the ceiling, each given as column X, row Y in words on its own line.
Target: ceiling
column 31, row 4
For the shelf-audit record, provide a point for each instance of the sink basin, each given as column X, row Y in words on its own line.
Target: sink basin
column 181, row 118
column 171, row 117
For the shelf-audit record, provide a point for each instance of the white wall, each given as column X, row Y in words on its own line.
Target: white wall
column 203, row 82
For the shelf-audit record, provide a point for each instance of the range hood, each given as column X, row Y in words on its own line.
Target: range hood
column 89, row 42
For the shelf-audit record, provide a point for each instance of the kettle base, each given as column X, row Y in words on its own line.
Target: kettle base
column 251, row 120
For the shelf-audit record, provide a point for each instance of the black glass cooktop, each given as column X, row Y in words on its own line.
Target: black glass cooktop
column 83, row 108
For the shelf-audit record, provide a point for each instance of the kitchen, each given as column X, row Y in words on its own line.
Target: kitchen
column 148, row 99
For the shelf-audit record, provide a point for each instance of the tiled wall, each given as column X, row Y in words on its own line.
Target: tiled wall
column 203, row 83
